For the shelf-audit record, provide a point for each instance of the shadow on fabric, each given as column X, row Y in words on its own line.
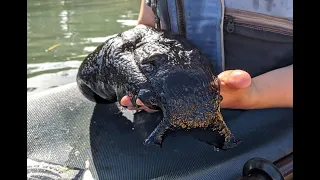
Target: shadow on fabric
column 118, row 151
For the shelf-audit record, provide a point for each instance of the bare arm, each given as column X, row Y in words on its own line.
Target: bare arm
column 273, row 89
column 146, row 16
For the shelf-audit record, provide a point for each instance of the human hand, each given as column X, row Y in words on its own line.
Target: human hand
column 236, row 88
column 126, row 101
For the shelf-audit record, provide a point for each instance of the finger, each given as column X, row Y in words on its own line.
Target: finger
column 139, row 102
column 126, row 101
column 135, row 108
column 145, row 108
column 131, row 108
column 235, row 78
column 150, row 110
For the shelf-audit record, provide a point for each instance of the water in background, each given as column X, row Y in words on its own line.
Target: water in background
column 62, row 32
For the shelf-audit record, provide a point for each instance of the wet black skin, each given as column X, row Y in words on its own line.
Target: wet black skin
column 165, row 72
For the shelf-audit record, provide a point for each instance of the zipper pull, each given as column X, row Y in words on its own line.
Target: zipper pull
column 230, row 24
column 153, row 5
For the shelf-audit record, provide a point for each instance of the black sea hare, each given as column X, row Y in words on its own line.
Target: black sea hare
column 165, row 72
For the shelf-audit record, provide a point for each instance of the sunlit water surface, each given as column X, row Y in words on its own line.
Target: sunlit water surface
column 61, row 34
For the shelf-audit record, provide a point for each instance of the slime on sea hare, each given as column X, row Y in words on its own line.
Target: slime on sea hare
column 165, row 72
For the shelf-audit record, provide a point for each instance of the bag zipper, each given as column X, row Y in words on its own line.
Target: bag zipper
column 153, row 5
column 180, row 18
column 257, row 21
column 222, row 36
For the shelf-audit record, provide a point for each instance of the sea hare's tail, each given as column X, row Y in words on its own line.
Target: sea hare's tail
column 158, row 134
column 231, row 142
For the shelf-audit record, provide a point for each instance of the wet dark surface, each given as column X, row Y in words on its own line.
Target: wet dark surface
column 161, row 69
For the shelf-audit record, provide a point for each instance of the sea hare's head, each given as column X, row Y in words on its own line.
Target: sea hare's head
column 179, row 75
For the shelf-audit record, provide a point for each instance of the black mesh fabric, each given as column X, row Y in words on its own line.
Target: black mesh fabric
column 107, row 143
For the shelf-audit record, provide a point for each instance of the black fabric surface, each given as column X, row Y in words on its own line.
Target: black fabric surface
column 64, row 128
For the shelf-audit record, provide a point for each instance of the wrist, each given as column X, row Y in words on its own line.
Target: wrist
column 246, row 98
column 253, row 96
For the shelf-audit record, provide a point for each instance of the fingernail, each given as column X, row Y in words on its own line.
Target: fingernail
column 236, row 73
column 239, row 79
column 125, row 101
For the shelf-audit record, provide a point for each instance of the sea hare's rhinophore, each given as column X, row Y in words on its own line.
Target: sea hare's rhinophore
column 164, row 71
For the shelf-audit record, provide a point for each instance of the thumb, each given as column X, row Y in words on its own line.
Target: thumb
column 237, row 79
